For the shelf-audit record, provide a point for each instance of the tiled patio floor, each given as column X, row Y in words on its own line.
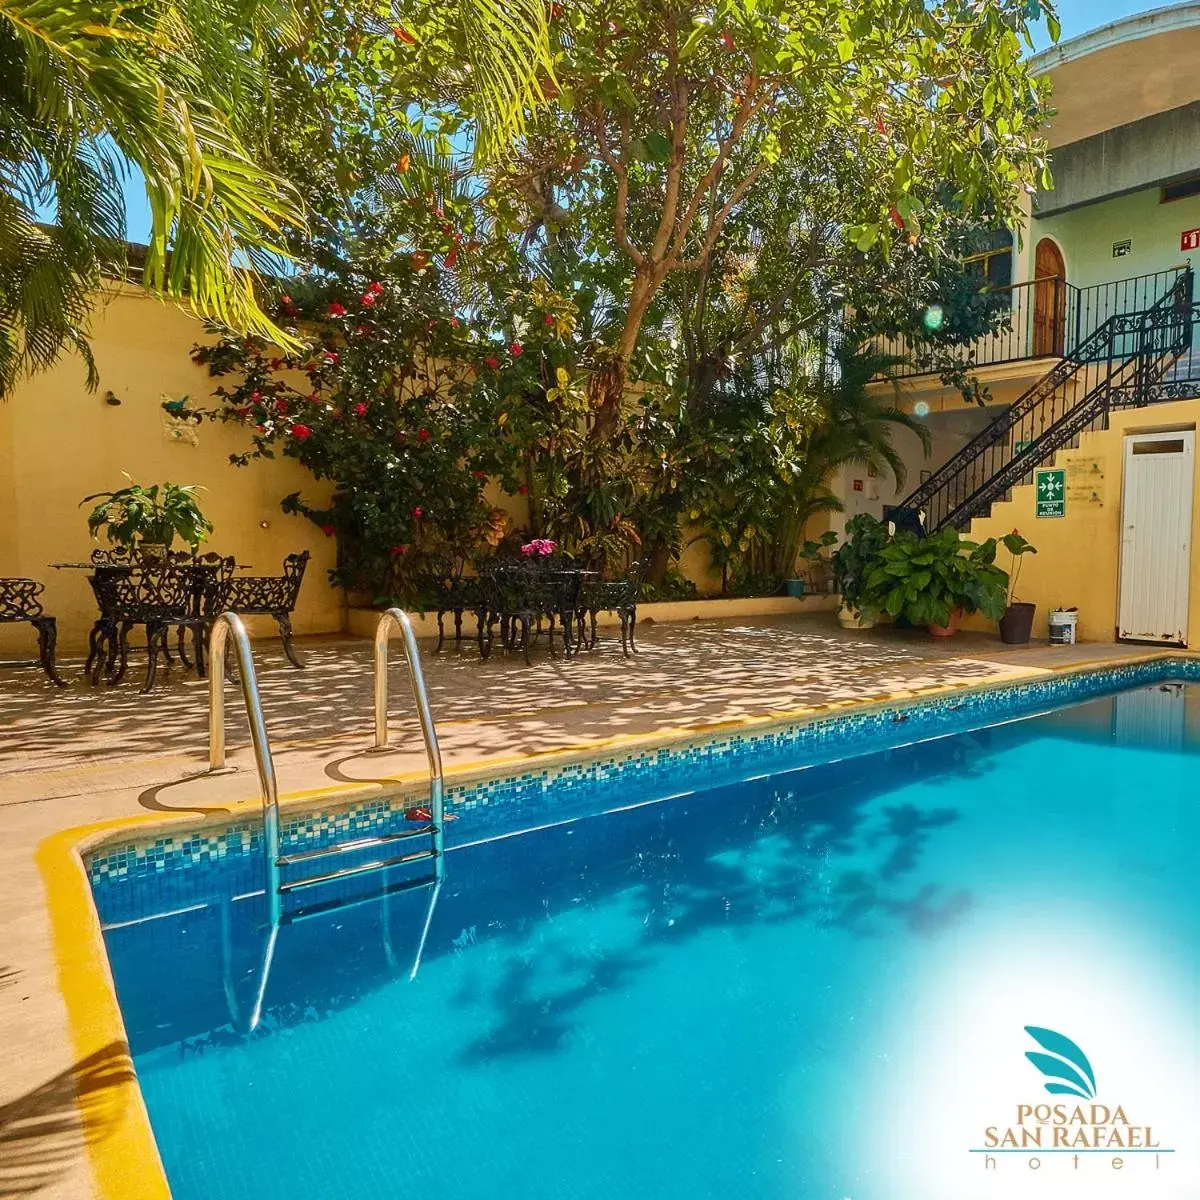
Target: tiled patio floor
column 74, row 756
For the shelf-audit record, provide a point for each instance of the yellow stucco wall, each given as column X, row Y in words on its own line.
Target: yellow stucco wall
column 60, row 442
column 1078, row 559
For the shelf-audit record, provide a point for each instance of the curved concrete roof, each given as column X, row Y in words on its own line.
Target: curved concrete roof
column 1123, row 71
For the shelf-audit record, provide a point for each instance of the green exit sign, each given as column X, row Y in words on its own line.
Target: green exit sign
column 1050, row 488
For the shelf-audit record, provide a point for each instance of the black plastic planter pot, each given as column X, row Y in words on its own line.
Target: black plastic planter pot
column 1016, row 624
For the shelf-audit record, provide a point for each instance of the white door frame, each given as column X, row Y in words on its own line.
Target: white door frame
column 1155, row 567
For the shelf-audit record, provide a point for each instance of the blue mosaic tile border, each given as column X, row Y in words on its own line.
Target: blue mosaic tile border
column 486, row 808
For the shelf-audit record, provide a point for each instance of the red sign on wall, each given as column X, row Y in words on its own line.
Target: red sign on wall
column 1189, row 239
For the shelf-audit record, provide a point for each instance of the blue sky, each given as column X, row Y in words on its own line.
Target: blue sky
column 1077, row 16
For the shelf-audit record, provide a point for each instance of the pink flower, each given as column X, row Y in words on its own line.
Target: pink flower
column 337, row 310
column 418, row 513
column 300, row 432
column 527, row 549
column 542, row 547
column 360, row 409
column 515, row 349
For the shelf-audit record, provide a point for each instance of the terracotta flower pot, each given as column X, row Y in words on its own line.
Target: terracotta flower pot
column 1016, row 624
column 950, row 628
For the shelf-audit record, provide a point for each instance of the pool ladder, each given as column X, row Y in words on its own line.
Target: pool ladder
column 277, row 887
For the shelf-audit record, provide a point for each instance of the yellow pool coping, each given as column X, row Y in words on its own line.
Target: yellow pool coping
column 121, row 1148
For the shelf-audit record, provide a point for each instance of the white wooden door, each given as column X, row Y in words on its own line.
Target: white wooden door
column 1156, row 537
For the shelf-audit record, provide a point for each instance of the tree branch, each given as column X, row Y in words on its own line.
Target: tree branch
column 718, row 221
column 619, row 167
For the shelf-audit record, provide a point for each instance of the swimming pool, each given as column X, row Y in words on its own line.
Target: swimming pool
column 815, row 983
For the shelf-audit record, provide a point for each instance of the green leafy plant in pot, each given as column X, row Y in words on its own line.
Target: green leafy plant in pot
column 934, row 581
column 819, row 564
column 149, row 518
column 1017, row 621
column 865, row 537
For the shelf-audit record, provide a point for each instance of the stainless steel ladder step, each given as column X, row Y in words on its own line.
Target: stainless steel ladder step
column 293, row 885
column 321, row 907
column 299, row 856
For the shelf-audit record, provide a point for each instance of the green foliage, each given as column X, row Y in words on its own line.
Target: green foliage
column 855, row 557
column 1018, row 547
column 153, row 515
column 927, row 579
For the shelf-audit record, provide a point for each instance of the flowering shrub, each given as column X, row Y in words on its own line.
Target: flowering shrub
column 539, row 548
column 403, row 406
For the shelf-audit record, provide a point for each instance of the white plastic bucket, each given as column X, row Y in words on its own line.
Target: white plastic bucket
column 1062, row 627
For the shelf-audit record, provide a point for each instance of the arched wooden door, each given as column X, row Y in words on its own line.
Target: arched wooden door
column 1049, row 300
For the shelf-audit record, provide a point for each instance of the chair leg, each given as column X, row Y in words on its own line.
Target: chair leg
column 458, row 618
column 525, row 640
column 156, row 640
column 284, row 621
column 632, row 624
column 592, row 620
column 97, row 651
column 441, row 633
column 118, row 657
column 47, row 631
column 624, row 634
column 199, row 637
column 181, row 646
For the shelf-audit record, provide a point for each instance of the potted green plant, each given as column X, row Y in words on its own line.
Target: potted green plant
column 865, row 538
column 934, row 581
column 149, row 518
column 1017, row 621
column 813, row 553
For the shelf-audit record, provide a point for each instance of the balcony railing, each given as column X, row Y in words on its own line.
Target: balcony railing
column 1044, row 318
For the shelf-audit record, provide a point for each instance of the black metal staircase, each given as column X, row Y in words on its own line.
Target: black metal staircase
column 1131, row 359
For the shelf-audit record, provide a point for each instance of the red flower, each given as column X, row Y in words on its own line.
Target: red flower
column 524, row 489
column 332, row 357
column 556, row 11
column 367, row 299
column 360, row 409
column 375, row 287
column 451, row 260
column 515, row 349
column 276, row 363
column 453, row 322
column 403, row 34
column 281, row 406
column 327, row 530
column 727, row 40
column 422, row 435
column 314, row 398
column 255, row 397
column 492, row 361
column 399, row 550
column 337, row 310
column 897, row 219
column 548, row 319
column 479, row 474
column 300, row 432
column 418, row 513
column 363, row 329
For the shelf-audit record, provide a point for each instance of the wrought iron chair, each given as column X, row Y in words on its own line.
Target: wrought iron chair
column 619, row 596
column 19, row 602
column 270, row 595
column 158, row 598
column 454, row 592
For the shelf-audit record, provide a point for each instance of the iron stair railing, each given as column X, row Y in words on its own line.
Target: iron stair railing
column 1126, row 356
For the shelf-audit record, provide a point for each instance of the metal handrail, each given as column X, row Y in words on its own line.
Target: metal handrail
column 226, row 623
column 395, row 617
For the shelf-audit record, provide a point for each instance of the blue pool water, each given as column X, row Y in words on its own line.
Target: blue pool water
column 810, row 986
